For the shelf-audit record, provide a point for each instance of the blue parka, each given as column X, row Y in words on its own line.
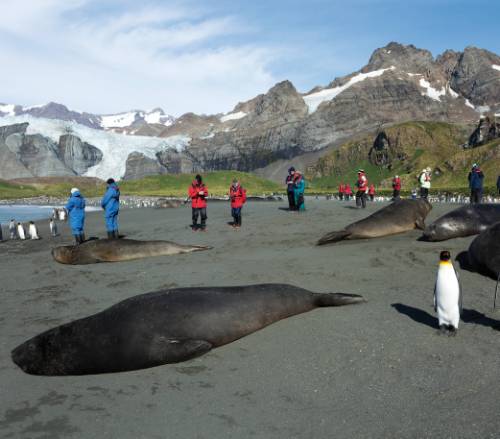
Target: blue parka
column 76, row 211
column 111, row 200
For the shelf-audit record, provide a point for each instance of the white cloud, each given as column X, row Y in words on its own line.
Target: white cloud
column 73, row 52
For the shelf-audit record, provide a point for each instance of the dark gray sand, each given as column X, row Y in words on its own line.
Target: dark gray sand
column 376, row 370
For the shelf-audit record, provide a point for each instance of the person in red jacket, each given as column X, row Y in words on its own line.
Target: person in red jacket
column 362, row 185
column 238, row 197
column 371, row 192
column 396, row 186
column 341, row 191
column 198, row 193
column 347, row 191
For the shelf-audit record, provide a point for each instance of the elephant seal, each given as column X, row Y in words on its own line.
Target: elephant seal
column 167, row 326
column 117, row 250
column 399, row 216
column 483, row 255
column 464, row 221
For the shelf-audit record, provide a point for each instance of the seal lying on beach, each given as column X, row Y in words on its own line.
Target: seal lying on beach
column 464, row 221
column 166, row 326
column 397, row 217
column 117, row 250
column 483, row 255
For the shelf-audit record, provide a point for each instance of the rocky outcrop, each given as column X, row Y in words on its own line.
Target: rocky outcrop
column 175, row 162
column 78, row 155
column 139, row 166
column 487, row 130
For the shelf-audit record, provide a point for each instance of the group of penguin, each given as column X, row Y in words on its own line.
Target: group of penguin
column 17, row 231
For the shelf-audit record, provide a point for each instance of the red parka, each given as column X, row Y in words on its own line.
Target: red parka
column 341, row 188
column 371, row 189
column 238, row 196
column 362, row 182
column 198, row 194
column 348, row 190
column 396, row 183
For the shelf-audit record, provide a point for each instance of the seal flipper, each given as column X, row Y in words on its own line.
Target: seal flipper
column 170, row 350
column 420, row 224
column 333, row 237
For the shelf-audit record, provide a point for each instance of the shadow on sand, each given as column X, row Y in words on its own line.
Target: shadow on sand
column 468, row 316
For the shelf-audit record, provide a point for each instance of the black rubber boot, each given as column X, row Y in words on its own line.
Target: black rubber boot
column 82, row 238
column 111, row 235
column 77, row 239
column 116, row 235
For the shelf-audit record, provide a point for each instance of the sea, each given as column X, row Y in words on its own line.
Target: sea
column 24, row 213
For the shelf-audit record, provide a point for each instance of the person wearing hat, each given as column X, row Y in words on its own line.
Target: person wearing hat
column 362, row 185
column 396, row 187
column 290, row 188
column 476, row 178
column 424, row 179
column 238, row 197
column 76, row 211
column 198, row 193
column 299, row 186
column 111, row 205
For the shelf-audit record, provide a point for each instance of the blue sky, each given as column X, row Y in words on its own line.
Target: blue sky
column 205, row 56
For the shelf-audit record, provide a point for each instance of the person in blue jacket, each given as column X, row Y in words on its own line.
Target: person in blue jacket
column 76, row 213
column 111, row 205
column 299, row 186
column 476, row 178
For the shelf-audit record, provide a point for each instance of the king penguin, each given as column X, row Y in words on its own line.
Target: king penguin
column 32, row 231
column 20, row 231
column 447, row 295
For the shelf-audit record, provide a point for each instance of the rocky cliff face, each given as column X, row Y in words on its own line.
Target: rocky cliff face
column 33, row 155
column 487, row 130
column 139, row 166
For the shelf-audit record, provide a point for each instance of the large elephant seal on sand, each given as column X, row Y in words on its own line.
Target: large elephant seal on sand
column 464, row 221
column 397, row 217
column 166, row 326
column 117, row 250
column 483, row 255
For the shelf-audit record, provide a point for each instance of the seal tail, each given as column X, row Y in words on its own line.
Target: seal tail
column 338, row 299
column 333, row 237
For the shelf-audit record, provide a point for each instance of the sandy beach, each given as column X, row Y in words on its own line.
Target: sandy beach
column 377, row 370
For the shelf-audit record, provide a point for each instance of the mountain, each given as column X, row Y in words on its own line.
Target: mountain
column 127, row 122
column 399, row 83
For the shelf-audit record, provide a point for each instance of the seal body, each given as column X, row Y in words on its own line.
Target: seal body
column 117, row 250
column 398, row 217
column 464, row 221
column 484, row 252
column 163, row 327
column 447, row 297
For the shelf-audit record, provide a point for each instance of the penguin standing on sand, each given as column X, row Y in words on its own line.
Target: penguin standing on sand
column 12, row 229
column 447, row 295
column 53, row 227
column 20, row 231
column 32, row 230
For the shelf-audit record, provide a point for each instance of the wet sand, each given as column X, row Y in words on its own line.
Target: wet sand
column 377, row 370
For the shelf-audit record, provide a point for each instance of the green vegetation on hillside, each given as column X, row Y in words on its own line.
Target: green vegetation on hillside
column 159, row 185
column 406, row 150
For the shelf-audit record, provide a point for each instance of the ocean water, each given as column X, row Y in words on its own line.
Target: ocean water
column 24, row 213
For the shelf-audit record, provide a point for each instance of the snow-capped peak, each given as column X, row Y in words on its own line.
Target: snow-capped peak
column 314, row 100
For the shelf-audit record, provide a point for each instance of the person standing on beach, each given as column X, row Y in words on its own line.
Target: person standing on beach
column 76, row 212
column 111, row 205
column 238, row 198
column 371, row 192
column 12, row 229
column 341, row 191
column 290, row 188
column 476, row 178
column 424, row 179
column 362, row 185
column 198, row 193
column 396, row 187
column 347, row 191
column 299, row 186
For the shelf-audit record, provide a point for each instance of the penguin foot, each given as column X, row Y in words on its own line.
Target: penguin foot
column 442, row 330
column 452, row 331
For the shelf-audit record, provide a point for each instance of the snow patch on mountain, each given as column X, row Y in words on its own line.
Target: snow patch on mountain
column 314, row 100
column 233, row 116
column 496, row 67
column 115, row 147
column 7, row 109
column 431, row 91
column 121, row 120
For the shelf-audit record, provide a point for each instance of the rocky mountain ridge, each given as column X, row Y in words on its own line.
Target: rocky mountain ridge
column 399, row 83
